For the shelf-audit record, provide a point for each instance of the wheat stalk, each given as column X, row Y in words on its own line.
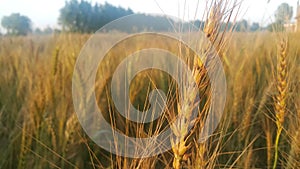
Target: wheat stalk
column 201, row 161
column 21, row 163
column 211, row 30
column 212, row 24
column 247, row 117
column 70, row 131
column 280, row 100
column 51, row 131
column 185, row 109
column 55, row 61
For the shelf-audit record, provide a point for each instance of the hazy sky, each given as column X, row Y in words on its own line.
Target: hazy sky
column 45, row 12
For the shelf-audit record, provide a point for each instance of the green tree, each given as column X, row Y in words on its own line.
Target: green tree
column 242, row 26
column 284, row 13
column 48, row 30
column 38, row 31
column 275, row 27
column 69, row 16
column 254, row 27
column 84, row 17
column 16, row 24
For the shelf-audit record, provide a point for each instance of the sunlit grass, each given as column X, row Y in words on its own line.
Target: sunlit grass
column 39, row 128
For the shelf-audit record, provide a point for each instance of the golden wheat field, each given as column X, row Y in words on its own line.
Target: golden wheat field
column 39, row 128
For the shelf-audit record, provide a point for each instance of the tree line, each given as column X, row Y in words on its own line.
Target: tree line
column 84, row 17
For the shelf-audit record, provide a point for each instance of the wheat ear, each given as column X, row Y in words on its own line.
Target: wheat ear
column 185, row 109
column 280, row 100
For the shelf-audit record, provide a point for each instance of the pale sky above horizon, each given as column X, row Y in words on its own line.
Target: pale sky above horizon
column 45, row 12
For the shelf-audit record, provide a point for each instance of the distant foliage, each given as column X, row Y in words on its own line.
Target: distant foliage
column 46, row 31
column 16, row 24
column 242, row 26
column 84, row 17
column 255, row 27
column 275, row 27
column 284, row 13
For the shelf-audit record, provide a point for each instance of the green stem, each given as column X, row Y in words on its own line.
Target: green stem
column 276, row 146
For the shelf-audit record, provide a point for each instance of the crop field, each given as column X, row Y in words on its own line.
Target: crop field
column 260, row 123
